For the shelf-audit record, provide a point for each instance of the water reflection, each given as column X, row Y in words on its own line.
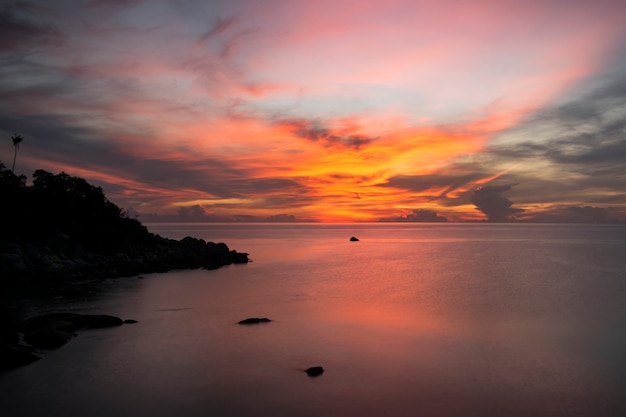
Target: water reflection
column 504, row 326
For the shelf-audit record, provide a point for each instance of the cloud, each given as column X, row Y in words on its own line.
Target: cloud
column 17, row 31
column 257, row 108
column 572, row 151
column 497, row 208
column 314, row 132
column 282, row 218
column 584, row 133
column 577, row 214
column 417, row 216
column 192, row 213
column 221, row 25
column 200, row 214
column 439, row 185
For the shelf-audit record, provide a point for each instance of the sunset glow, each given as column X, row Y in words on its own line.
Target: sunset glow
column 332, row 111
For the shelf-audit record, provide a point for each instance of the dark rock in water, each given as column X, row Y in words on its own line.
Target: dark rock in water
column 130, row 321
column 47, row 331
column 52, row 330
column 255, row 320
column 354, row 239
column 315, row 371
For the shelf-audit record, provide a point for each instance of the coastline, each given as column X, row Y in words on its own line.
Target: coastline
column 59, row 268
column 61, row 259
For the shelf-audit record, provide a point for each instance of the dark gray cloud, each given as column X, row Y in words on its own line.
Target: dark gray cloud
column 573, row 150
column 577, row 214
column 586, row 134
column 20, row 31
column 221, row 25
column 200, row 214
column 418, row 216
column 272, row 193
column 102, row 64
column 422, row 183
column 52, row 138
column 497, row 208
column 314, row 132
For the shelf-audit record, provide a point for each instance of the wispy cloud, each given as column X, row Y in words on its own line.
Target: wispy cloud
column 331, row 111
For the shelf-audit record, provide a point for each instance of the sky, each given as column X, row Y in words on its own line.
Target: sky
column 326, row 111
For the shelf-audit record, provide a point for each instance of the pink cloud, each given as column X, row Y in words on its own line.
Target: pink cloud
column 333, row 96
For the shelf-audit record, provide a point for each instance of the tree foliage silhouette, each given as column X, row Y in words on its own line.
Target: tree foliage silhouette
column 17, row 139
column 64, row 204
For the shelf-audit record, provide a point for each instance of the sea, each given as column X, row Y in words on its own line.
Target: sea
column 413, row 319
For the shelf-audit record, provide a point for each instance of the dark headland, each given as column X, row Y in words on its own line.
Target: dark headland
column 63, row 228
column 62, row 231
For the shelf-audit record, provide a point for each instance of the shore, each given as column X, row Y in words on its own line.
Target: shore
column 61, row 259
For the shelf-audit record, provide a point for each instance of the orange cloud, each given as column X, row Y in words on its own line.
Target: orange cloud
column 325, row 109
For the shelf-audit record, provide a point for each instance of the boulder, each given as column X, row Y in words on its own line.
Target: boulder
column 315, row 371
column 52, row 330
column 12, row 262
column 239, row 257
column 255, row 320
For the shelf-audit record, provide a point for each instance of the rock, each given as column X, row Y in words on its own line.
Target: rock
column 52, row 330
column 12, row 262
column 354, row 239
column 130, row 321
column 25, row 261
column 255, row 320
column 47, row 331
column 60, row 243
column 239, row 257
column 315, row 371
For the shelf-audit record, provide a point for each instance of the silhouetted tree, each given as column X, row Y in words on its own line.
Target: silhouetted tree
column 13, row 192
column 82, row 211
column 17, row 139
column 9, row 180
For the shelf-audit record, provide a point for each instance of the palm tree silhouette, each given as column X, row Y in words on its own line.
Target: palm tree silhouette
column 17, row 139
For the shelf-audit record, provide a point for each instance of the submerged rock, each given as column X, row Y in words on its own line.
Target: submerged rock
column 315, row 371
column 49, row 331
column 255, row 320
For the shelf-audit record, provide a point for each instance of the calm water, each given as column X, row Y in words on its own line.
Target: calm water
column 428, row 320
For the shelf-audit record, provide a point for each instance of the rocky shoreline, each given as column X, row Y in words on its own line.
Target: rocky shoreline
column 61, row 259
column 50, row 266
column 62, row 231
column 21, row 342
